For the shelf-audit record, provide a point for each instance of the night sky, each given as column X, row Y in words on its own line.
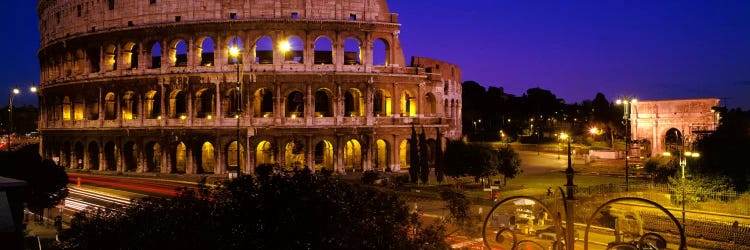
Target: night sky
column 649, row 49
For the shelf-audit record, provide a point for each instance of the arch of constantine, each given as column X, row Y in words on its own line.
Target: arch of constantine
column 181, row 86
column 667, row 125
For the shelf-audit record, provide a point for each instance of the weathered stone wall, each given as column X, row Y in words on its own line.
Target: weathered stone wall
column 63, row 18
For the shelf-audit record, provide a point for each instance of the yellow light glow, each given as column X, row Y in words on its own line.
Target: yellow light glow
column 183, row 117
column 564, row 136
column 236, row 116
column 209, row 117
column 16, row 91
column 695, row 155
column 618, row 101
column 234, row 51
column 688, row 153
column 33, row 89
column 666, row 154
column 634, row 101
column 158, row 117
column 294, row 115
column 594, row 131
column 285, row 46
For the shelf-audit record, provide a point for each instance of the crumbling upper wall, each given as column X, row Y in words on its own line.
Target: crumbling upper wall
column 63, row 18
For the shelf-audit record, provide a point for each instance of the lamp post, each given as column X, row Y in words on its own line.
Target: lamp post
column 234, row 52
column 626, row 101
column 570, row 198
column 15, row 91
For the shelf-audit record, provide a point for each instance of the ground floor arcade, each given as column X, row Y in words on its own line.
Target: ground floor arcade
column 185, row 151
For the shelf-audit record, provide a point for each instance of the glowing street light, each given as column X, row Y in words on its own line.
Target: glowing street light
column 626, row 101
column 285, row 46
column 15, row 91
column 234, row 53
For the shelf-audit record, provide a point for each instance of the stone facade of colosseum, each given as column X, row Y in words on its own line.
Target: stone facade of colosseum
column 151, row 86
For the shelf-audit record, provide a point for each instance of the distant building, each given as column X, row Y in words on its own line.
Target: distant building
column 151, row 86
column 666, row 125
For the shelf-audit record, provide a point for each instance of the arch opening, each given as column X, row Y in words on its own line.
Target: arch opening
column 264, row 50
column 352, row 52
column 323, row 51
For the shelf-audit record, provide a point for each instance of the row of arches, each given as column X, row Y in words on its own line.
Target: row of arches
column 213, row 103
column 205, row 51
column 212, row 157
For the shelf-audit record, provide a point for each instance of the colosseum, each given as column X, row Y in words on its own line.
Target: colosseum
column 219, row 86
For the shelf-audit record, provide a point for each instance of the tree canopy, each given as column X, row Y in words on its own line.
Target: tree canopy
column 723, row 152
column 284, row 211
column 47, row 182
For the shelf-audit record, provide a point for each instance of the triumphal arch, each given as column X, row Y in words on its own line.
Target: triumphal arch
column 667, row 125
column 207, row 87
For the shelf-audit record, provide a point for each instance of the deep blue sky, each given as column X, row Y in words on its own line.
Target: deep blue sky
column 650, row 49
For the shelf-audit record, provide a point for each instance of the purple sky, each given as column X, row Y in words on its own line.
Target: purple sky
column 650, row 49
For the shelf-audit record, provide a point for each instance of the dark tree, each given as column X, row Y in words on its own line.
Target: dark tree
column 413, row 156
column 723, row 153
column 456, row 162
column 509, row 163
column 47, row 182
column 439, row 160
column 288, row 211
column 424, row 161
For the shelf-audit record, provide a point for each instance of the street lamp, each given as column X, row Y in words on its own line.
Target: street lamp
column 570, row 197
column 626, row 101
column 234, row 52
column 285, row 46
column 15, row 91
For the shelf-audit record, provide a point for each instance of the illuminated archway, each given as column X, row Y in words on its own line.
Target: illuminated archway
column 207, row 159
column 177, row 104
column 352, row 156
column 673, row 140
column 353, row 103
column 66, row 108
column 294, row 155
column 381, row 155
column 264, row 153
column 382, row 103
column 152, row 105
column 408, row 104
column 153, row 157
column 129, row 106
column 263, row 104
column 231, row 155
column 404, row 154
column 109, row 106
column 205, row 103
column 179, row 158
column 323, row 155
column 178, row 53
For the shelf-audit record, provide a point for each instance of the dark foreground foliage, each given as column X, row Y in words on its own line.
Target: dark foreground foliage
column 283, row 211
column 47, row 183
